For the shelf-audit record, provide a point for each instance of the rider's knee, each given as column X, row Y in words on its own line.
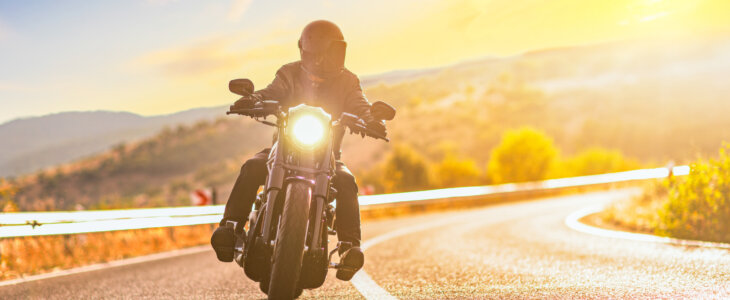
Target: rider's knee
column 252, row 167
column 345, row 182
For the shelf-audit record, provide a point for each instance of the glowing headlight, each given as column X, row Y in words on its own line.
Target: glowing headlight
column 308, row 130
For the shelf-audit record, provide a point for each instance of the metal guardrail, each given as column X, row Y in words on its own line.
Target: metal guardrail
column 59, row 223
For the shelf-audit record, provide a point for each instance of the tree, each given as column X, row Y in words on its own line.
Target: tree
column 7, row 191
column 455, row 172
column 596, row 161
column 405, row 170
column 10, row 206
column 524, row 154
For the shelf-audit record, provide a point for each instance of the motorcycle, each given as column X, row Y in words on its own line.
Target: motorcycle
column 286, row 248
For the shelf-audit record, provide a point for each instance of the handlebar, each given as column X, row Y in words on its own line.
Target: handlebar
column 369, row 132
column 251, row 112
column 356, row 125
column 260, row 109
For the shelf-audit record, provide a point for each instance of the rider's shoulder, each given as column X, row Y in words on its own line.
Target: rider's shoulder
column 349, row 76
column 289, row 71
column 295, row 65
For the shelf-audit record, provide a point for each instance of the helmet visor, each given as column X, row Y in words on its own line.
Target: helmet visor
column 327, row 62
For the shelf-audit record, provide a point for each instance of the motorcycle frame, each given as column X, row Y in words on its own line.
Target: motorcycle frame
column 315, row 168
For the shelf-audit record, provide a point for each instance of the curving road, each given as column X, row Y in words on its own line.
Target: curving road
column 514, row 250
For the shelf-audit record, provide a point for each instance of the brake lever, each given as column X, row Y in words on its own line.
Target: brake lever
column 266, row 122
column 378, row 136
column 358, row 126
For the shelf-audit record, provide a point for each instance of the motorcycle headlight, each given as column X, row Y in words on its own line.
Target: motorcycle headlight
column 308, row 130
column 308, row 126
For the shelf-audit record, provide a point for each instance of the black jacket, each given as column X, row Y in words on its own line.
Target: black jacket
column 336, row 95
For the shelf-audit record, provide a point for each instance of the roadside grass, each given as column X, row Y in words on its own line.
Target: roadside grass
column 696, row 206
column 638, row 214
column 25, row 256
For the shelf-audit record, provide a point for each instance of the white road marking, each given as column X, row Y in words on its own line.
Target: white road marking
column 573, row 222
column 366, row 285
column 115, row 263
column 362, row 281
column 368, row 288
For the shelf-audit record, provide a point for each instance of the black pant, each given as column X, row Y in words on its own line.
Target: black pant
column 253, row 174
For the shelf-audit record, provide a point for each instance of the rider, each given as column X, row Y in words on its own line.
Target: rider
column 319, row 78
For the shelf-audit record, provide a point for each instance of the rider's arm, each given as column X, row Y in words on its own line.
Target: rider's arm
column 355, row 102
column 277, row 89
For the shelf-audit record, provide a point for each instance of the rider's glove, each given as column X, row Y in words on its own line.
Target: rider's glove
column 246, row 102
column 375, row 125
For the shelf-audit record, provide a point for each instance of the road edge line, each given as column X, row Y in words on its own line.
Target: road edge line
column 363, row 283
column 110, row 264
column 573, row 222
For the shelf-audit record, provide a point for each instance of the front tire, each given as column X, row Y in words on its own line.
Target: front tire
column 290, row 238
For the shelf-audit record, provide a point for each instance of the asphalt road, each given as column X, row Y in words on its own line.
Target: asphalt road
column 515, row 250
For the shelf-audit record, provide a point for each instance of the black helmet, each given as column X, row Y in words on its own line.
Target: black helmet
column 322, row 49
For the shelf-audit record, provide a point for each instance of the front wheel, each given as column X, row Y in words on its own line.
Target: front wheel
column 289, row 247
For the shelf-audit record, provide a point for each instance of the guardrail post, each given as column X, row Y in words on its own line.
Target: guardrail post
column 213, row 201
column 171, row 232
column 66, row 247
column 213, row 196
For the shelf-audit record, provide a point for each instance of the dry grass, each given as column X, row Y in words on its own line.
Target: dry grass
column 639, row 213
column 696, row 206
column 33, row 255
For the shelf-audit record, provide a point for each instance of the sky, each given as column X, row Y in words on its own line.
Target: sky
column 162, row 56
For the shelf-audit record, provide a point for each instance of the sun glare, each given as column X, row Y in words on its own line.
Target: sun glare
column 652, row 10
column 653, row 17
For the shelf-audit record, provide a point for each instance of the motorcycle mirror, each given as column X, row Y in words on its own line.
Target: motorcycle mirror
column 382, row 111
column 243, row 87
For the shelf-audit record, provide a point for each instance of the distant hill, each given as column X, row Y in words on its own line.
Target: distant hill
column 656, row 100
column 159, row 170
column 35, row 143
column 38, row 142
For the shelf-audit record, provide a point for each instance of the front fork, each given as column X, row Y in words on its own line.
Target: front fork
column 276, row 183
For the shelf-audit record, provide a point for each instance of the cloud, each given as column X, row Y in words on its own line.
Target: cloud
column 201, row 58
column 213, row 56
column 238, row 9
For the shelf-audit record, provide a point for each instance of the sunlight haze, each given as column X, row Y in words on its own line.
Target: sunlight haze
column 162, row 56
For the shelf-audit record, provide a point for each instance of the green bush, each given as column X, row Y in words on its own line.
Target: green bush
column 595, row 161
column 525, row 154
column 698, row 206
column 405, row 170
column 456, row 172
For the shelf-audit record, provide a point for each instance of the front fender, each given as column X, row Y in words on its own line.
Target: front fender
column 303, row 179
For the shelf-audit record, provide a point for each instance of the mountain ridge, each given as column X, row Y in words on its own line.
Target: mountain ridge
column 37, row 142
